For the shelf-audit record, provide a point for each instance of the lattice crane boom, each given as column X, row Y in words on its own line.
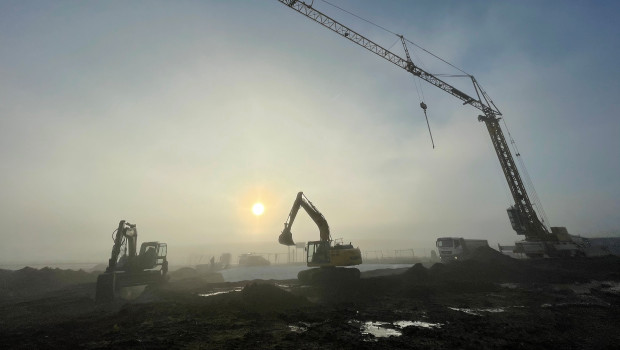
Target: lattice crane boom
column 522, row 215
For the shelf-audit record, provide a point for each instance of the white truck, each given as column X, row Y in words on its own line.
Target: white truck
column 458, row 248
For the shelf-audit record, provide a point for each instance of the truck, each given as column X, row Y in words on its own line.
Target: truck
column 458, row 248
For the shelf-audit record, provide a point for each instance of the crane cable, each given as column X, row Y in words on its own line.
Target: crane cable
column 420, row 97
column 423, row 106
column 389, row 31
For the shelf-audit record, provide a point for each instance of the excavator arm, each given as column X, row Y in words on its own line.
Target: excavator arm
column 125, row 231
column 286, row 237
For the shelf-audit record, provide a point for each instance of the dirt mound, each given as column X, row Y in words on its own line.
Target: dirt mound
column 29, row 281
column 267, row 297
column 487, row 265
column 189, row 276
column 582, row 269
column 99, row 268
column 184, row 272
column 490, row 255
column 417, row 272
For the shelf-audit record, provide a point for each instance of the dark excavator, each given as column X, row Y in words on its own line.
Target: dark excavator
column 148, row 267
column 325, row 255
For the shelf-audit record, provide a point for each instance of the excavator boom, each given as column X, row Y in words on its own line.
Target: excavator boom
column 286, row 237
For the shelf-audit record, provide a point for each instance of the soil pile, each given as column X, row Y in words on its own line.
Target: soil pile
column 489, row 265
column 417, row 272
column 458, row 305
column 29, row 281
column 581, row 269
column 186, row 273
column 267, row 297
column 485, row 264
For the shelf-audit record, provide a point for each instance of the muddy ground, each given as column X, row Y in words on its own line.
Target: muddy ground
column 490, row 302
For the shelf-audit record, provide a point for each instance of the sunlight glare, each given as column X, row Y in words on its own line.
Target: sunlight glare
column 258, row 209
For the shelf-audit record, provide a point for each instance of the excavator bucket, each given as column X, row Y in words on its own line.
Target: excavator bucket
column 286, row 238
column 106, row 285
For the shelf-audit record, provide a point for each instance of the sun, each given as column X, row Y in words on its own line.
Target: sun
column 258, row 209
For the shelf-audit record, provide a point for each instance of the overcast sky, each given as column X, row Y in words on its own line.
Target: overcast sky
column 179, row 116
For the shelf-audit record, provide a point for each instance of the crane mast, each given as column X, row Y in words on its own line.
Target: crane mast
column 522, row 215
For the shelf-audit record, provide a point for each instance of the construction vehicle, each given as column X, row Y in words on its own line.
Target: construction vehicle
column 326, row 256
column 148, row 267
column 458, row 248
column 523, row 218
column 252, row 259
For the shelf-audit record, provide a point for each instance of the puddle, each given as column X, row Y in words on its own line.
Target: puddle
column 238, row 289
column 301, row 327
column 286, row 287
column 380, row 329
column 420, row 324
column 610, row 286
column 585, row 288
column 478, row 312
column 582, row 304
column 509, row 285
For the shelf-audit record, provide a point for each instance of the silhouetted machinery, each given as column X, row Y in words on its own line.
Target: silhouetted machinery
column 325, row 255
column 130, row 268
column 539, row 239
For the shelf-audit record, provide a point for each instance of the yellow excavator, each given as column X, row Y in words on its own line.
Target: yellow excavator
column 127, row 267
column 326, row 256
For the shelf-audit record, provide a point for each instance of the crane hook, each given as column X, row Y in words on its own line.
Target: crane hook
column 423, row 106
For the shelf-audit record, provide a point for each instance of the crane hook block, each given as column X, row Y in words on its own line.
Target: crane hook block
column 423, row 105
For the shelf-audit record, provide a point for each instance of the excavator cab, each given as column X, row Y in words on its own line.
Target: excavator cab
column 318, row 253
column 328, row 254
column 153, row 254
column 329, row 260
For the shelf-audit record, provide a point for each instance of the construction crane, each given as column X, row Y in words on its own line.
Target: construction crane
column 522, row 216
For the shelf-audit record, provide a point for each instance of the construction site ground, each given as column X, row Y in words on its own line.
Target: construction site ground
column 489, row 302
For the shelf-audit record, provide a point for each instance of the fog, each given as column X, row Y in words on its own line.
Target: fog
column 178, row 117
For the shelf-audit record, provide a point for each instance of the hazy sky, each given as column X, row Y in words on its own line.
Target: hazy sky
column 179, row 116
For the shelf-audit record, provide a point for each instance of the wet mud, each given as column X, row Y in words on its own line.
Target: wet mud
column 490, row 302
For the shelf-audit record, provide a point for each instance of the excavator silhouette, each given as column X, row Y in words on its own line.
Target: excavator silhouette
column 325, row 255
column 130, row 268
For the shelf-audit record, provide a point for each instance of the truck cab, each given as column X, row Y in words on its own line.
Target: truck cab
column 458, row 248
